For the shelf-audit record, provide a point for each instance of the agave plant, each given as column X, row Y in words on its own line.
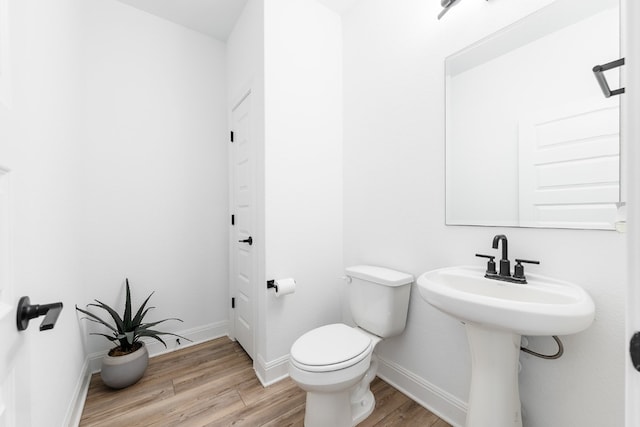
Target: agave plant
column 128, row 330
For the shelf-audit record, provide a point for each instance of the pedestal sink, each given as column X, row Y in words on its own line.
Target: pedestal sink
column 496, row 314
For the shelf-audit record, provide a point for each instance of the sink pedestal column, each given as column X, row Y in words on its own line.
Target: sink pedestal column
column 494, row 398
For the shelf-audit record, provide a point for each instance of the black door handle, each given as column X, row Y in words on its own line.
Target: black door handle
column 599, row 70
column 26, row 312
column 634, row 349
column 248, row 240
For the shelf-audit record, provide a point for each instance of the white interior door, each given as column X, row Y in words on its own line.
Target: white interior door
column 14, row 396
column 569, row 166
column 243, row 253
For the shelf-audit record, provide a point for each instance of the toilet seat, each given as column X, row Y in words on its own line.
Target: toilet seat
column 330, row 348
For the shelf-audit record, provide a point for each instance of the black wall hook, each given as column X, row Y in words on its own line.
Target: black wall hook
column 26, row 312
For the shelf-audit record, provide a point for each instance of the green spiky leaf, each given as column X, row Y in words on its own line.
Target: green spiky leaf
column 109, row 337
column 154, row 336
column 127, row 308
column 128, row 330
column 97, row 319
column 141, row 311
column 149, row 325
column 116, row 318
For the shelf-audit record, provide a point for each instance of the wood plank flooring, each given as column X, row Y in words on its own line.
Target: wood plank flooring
column 213, row 384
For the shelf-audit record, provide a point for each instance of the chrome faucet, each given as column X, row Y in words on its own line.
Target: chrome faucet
column 505, row 265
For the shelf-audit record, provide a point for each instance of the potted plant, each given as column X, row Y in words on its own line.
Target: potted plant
column 126, row 363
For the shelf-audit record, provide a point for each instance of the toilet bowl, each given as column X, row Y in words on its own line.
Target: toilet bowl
column 335, row 363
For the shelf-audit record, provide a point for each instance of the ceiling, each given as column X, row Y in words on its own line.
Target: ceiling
column 214, row 18
column 339, row 6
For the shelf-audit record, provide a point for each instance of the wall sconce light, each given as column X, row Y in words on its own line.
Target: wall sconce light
column 447, row 4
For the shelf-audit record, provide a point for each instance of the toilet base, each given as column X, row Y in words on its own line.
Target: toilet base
column 345, row 408
column 362, row 400
column 361, row 410
column 328, row 409
column 342, row 413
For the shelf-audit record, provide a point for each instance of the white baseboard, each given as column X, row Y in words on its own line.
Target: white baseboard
column 271, row 372
column 443, row 404
column 94, row 360
column 196, row 335
column 74, row 411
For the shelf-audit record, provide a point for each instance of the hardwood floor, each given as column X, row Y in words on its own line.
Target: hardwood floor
column 213, row 384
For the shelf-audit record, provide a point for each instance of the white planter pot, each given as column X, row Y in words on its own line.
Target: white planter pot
column 123, row 371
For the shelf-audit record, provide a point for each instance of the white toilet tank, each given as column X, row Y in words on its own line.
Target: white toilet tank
column 379, row 299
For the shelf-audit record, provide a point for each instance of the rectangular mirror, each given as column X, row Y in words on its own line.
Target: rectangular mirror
column 531, row 141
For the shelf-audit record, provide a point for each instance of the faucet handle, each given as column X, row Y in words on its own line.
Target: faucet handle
column 528, row 261
column 491, row 264
column 518, row 270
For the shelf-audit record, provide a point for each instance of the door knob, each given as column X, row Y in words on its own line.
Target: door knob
column 634, row 349
column 27, row 311
column 248, row 240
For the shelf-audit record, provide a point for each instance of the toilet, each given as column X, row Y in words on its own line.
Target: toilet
column 335, row 363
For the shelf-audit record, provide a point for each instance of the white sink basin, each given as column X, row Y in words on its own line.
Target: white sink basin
column 495, row 315
column 543, row 306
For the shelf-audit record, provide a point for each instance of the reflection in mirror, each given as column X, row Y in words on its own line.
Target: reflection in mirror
column 531, row 141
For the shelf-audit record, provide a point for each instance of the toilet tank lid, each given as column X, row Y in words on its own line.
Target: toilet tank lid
column 380, row 275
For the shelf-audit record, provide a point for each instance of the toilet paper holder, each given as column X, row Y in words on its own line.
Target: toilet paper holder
column 284, row 286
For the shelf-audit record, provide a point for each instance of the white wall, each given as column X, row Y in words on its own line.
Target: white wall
column 288, row 53
column 40, row 143
column 155, row 166
column 303, row 167
column 394, row 216
column 117, row 145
